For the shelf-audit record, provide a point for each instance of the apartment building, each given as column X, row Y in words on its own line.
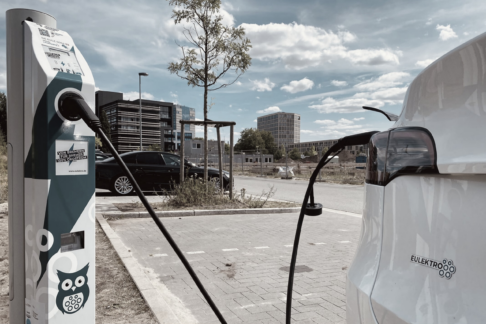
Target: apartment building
column 285, row 127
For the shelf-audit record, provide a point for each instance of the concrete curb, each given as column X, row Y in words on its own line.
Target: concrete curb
column 166, row 308
column 209, row 212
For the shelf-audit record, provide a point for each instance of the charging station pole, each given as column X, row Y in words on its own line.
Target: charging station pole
column 51, row 176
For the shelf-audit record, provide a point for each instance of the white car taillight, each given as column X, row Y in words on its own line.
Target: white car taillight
column 398, row 152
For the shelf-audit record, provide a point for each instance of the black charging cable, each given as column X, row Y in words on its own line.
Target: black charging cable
column 73, row 108
column 314, row 209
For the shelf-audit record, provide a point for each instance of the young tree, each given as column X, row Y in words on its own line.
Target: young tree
column 98, row 143
column 215, row 49
column 249, row 139
column 312, row 151
column 277, row 155
column 294, row 154
column 105, row 126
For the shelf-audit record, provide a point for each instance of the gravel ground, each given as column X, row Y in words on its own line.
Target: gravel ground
column 117, row 298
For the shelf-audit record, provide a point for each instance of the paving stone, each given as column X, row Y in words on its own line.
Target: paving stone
column 253, row 288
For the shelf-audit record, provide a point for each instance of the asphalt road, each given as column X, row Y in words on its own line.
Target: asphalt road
column 335, row 196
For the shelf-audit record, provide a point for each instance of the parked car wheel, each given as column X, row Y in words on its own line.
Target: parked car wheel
column 121, row 186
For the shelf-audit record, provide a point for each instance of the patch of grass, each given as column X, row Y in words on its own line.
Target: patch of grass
column 195, row 194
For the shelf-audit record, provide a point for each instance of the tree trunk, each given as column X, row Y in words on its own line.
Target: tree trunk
column 206, row 68
column 205, row 134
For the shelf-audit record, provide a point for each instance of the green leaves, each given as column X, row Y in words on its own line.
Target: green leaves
column 250, row 138
column 214, row 49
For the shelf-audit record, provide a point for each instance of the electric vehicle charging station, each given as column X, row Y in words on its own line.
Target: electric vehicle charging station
column 51, row 175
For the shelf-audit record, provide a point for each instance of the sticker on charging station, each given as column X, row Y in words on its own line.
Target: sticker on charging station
column 71, row 157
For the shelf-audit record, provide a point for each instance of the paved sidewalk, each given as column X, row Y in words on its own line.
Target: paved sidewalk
column 243, row 260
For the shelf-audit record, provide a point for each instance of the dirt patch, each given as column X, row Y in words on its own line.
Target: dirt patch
column 117, row 298
column 138, row 207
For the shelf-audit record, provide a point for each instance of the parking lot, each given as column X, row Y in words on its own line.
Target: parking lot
column 243, row 262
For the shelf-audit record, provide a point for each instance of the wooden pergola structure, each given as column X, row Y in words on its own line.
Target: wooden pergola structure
column 217, row 125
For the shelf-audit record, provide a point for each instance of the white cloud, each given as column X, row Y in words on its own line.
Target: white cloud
column 269, row 110
column 325, row 122
column 298, row 86
column 255, row 121
column 337, row 83
column 134, row 95
column 374, row 57
column 3, row 81
column 446, row 32
column 173, row 95
column 300, row 46
column 389, row 94
column 389, row 88
column 335, row 129
column 424, row 63
column 358, row 119
column 384, row 81
column 345, row 106
column 238, row 83
column 265, row 85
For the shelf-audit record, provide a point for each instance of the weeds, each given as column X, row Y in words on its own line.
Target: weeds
column 194, row 193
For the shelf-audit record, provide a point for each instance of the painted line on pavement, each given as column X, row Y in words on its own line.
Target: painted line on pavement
column 159, row 255
column 344, row 241
column 289, row 245
column 228, row 250
column 196, row 252
column 261, row 247
column 319, row 243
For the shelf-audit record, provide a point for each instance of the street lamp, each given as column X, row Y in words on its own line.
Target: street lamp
column 140, row 102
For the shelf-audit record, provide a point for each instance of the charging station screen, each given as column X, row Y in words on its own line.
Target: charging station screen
column 63, row 61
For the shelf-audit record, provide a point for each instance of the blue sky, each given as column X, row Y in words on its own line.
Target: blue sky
column 321, row 59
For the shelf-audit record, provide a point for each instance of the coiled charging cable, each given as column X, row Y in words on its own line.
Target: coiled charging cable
column 73, row 108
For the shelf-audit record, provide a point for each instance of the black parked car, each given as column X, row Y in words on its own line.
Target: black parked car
column 154, row 171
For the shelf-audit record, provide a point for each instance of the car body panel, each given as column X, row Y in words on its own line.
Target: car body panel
column 150, row 177
column 363, row 270
column 434, row 217
column 449, row 99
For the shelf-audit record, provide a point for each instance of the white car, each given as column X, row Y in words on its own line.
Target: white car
column 420, row 258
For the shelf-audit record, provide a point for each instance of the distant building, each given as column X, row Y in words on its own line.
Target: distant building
column 349, row 152
column 195, row 147
column 160, row 122
column 124, row 119
column 285, row 127
column 185, row 113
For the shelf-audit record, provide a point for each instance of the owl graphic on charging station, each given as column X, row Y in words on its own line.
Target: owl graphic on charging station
column 73, row 290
